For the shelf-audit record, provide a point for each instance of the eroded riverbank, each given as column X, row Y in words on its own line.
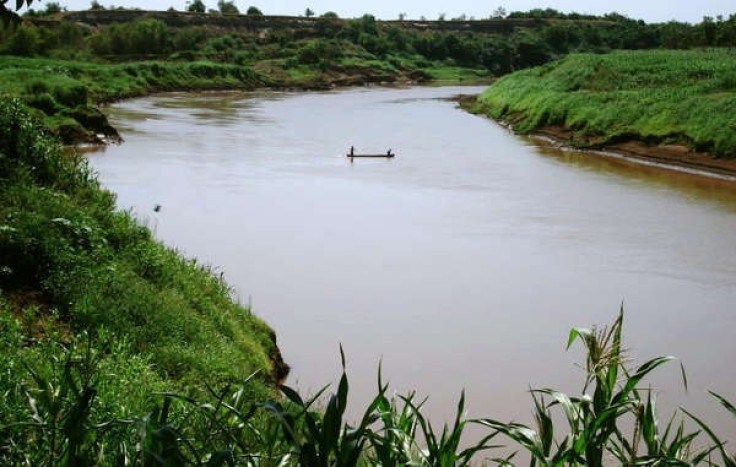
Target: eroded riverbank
column 669, row 156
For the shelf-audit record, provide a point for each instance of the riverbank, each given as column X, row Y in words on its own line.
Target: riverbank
column 671, row 156
column 77, row 275
column 667, row 107
column 64, row 94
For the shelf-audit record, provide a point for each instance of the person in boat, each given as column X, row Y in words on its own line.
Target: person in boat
column 388, row 153
column 352, row 150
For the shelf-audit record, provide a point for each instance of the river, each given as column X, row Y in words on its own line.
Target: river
column 461, row 263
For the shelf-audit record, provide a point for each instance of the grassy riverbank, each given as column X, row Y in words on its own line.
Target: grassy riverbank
column 663, row 97
column 63, row 93
column 95, row 315
column 85, row 57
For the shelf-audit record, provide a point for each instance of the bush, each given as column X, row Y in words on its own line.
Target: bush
column 196, row 6
column 43, row 101
column 26, row 41
column 71, row 94
column 253, row 11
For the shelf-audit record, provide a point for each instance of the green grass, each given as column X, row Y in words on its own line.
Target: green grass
column 441, row 72
column 664, row 96
column 22, row 76
column 66, row 250
column 63, row 93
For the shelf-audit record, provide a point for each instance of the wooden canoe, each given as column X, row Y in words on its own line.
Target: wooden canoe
column 386, row 155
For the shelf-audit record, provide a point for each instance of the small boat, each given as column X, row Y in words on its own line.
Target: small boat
column 387, row 154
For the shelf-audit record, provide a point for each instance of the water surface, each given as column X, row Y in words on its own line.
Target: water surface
column 461, row 263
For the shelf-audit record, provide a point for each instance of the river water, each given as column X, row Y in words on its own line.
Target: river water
column 460, row 264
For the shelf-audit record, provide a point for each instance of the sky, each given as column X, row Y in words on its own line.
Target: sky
column 650, row 11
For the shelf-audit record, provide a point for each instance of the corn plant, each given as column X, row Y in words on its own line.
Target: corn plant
column 593, row 433
column 60, row 405
column 729, row 459
column 323, row 438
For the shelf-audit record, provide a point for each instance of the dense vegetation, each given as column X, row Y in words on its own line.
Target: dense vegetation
column 62, row 93
column 164, row 52
column 686, row 97
column 91, row 303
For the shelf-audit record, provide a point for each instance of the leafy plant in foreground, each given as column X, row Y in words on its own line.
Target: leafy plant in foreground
column 595, row 431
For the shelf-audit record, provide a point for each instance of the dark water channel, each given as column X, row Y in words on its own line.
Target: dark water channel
column 461, row 263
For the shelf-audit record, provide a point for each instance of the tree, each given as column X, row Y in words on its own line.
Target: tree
column 253, row 11
column 330, row 14
column 196, row 6
column 52, row 7
column 227, row 8
column 308, row 13
column 7, row 15
column 96, row 6
column 499, row 13
column 26, row 41
column 402, row 16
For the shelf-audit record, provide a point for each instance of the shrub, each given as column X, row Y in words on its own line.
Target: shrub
column 253, row 11
column 26, row 41
column 196, row 6
column 71, row 94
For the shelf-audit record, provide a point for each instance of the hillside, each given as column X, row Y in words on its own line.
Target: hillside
column 670, row 103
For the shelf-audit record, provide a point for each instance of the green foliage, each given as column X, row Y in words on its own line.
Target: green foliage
column 253, row 11
column 227, row 8
column 66, row 408
column 596, row 424
column 197, row 6
column 61, row 237
column 25, row 41
column 655, row 96
column 140, row 37
column 65, row 89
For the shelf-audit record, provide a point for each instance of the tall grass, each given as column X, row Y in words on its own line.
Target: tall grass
column 662, row 96
column 613, row 421
column 65, row 249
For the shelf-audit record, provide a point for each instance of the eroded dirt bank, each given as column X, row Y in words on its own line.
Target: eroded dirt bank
column 672, row 156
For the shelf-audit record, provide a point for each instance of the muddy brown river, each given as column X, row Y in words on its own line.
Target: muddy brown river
column 461, row 263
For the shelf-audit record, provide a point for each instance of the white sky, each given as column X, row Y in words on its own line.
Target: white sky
column 648, row 10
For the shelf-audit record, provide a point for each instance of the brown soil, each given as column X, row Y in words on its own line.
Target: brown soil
column 280, row 367
column 676, row 155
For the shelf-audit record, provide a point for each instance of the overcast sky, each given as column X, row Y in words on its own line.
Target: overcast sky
column 648, row 10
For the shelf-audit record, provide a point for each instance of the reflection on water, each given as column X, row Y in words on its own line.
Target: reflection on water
column 653, row 177
column 461, row 263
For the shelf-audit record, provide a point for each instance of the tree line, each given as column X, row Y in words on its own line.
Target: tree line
column 515, row 48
